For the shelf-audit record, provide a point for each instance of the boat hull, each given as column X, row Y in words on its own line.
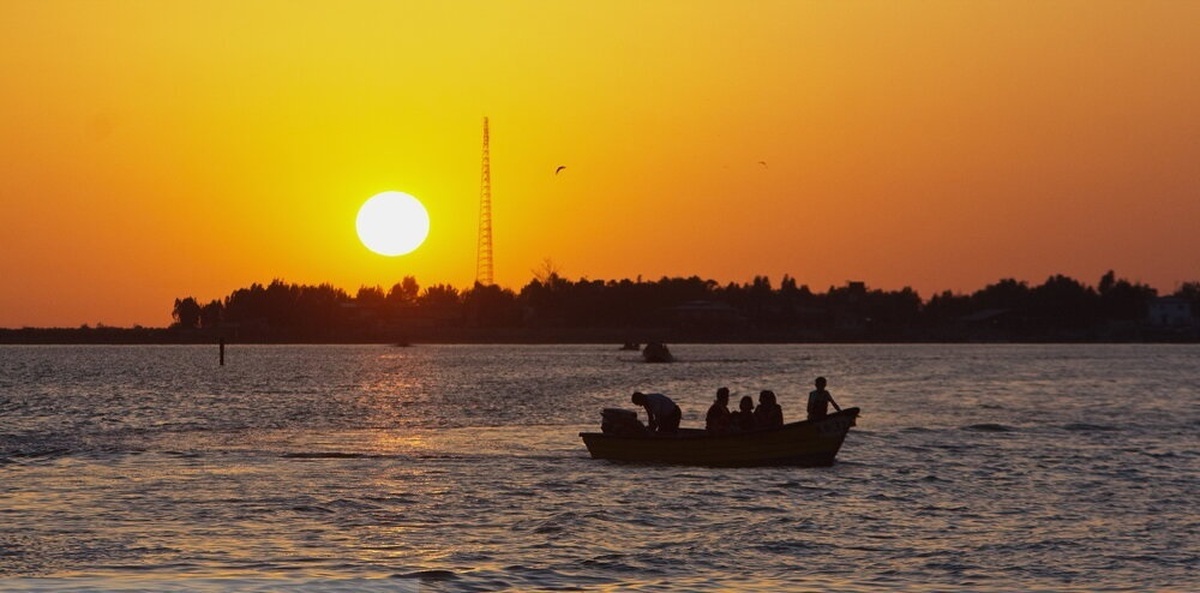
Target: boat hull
column 802, row 444
column 657, row 352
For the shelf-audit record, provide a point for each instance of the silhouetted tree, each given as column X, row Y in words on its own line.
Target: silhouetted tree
column 288, row 311
column 1064, row 303
column 404, row 293
column 546, row 297
column 439, row 295
column 318, row 311
column 946, row 308
column 186, row 313
column 760, row 300
column 1122, row 301
column 210, row 314
column 1006, row 294
column 892, row 314
column 1060, row 307
column 491, row 306
column 548, row 273
column 1190, row 291
column 370, row 296
column 1106, row 282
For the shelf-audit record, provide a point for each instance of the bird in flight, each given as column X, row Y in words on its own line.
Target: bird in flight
column 559, row 169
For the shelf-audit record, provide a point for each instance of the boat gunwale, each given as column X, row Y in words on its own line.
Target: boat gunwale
column 701, row 434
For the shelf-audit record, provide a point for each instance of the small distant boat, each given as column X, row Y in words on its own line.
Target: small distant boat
column 808, row 443
column 657, row 352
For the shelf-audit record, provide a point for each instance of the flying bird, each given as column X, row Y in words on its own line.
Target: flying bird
column 559, row 169
column 763, row 163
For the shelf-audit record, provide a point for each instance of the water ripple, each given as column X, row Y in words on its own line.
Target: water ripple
column 459, row 469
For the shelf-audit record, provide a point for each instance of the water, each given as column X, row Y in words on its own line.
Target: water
column 459, row 468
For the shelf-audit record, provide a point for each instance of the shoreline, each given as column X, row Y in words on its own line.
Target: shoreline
column 617, row 337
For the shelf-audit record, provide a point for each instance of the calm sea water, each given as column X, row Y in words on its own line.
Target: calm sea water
column 459, row 468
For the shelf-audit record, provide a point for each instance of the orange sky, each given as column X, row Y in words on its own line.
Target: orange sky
column 154, row 150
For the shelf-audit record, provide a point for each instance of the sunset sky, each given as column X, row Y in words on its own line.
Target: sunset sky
column 155, row 150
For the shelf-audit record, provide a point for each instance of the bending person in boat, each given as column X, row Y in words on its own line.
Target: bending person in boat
column 718, row 420
column 768, row 414
column 662, row 414
column 743, row 419
column 819, row 400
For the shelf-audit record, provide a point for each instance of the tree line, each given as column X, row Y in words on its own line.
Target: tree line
column 1061, row 308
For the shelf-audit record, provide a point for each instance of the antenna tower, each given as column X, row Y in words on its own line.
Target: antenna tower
column 483, row 257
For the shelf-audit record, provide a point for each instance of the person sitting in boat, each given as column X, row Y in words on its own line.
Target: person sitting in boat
column 743, row 419
column 819, row 400
column 718, row 420
column 768, row 414
column 662, row 414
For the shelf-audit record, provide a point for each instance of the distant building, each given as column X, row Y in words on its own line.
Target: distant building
column 1170, row 312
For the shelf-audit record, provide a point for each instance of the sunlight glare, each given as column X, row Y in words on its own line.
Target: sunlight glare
column 392, row 223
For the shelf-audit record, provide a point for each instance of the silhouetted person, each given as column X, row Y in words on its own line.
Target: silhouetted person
column 743, row 419
column 718, row 419
column 819, row 400
column 661, row 413
column 768, row 414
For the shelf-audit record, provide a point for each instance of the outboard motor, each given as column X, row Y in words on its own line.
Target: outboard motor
column 618, row 422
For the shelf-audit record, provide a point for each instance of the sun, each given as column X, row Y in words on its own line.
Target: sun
column 392, row 223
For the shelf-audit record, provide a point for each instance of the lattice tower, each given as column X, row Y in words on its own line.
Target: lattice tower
column 483, row 256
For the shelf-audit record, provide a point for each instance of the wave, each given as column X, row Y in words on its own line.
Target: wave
column 1084, row 427
column 428, row 575
column 797, row 485
column 183, row 454
column 311, row 508
column 35, row 455
column 714, row 360
column 329, row 455
column 350, row 455
column 989, row 427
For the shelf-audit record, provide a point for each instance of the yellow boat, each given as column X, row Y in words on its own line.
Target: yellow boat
column 803, row 444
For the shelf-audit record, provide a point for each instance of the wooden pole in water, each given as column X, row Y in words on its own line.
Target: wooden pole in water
column 221, row 342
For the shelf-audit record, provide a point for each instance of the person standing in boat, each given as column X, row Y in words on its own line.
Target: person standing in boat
column 662, row 414
column 819, row 400
column 718, row 420
column 743, row 419
column 768, row 414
